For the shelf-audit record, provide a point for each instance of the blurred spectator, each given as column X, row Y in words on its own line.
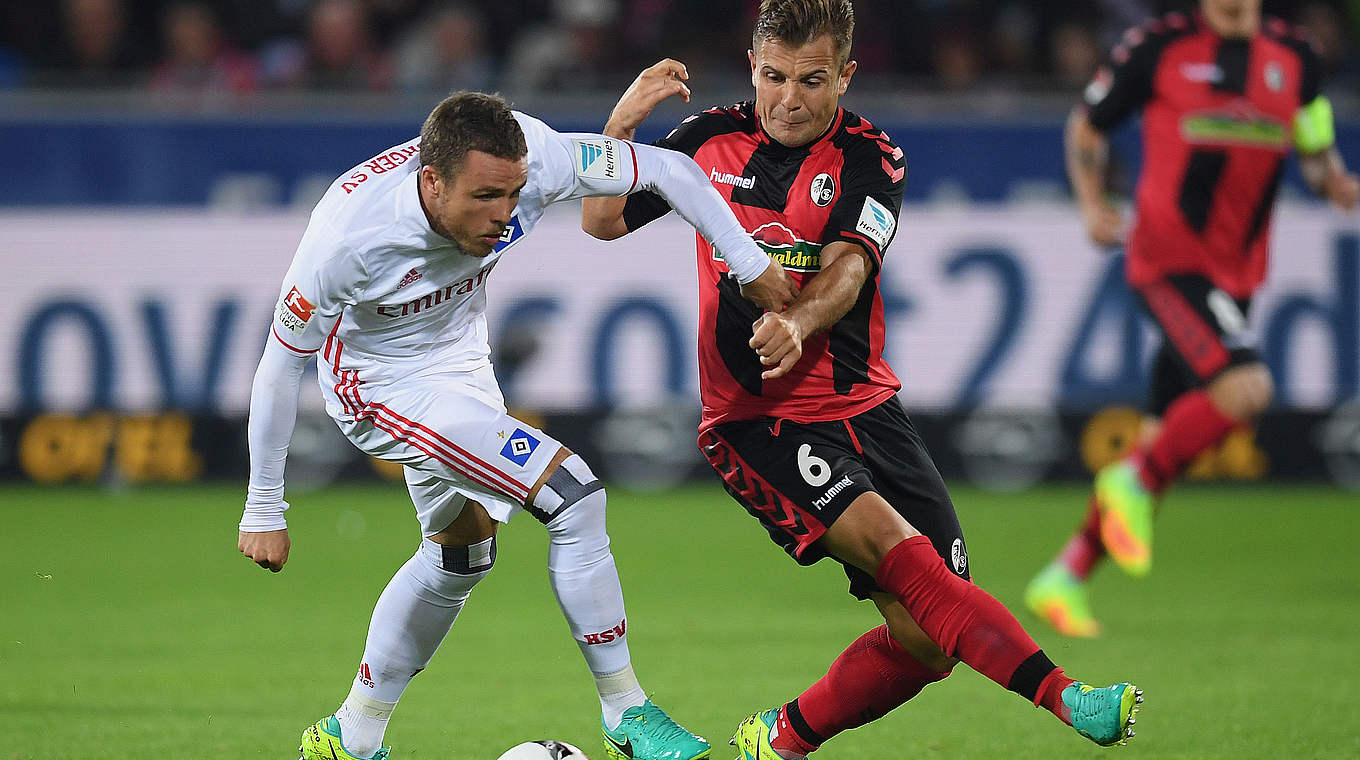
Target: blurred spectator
column 339, row 52
column 446, row 51
column 575, row 50
column 1074, row 54
column 1014, row 32
column 1333, row 40
column 97, row 46
column 957, row 56
column 197, row 56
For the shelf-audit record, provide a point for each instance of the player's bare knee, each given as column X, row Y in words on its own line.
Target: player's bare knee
column 472, row 525
column 1243, row 392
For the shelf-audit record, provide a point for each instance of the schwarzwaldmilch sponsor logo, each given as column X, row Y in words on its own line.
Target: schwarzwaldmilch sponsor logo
column 788, row 249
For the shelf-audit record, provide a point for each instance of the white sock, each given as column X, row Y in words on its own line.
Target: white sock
column 363, row 721
column 586, row 583
column 618, row 692
column 410, row 620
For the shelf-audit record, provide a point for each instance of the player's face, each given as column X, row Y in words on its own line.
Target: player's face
column 473, row 207
column 798, row 88
column 1232, row 10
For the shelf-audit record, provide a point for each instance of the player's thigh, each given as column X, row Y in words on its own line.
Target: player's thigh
column 905, row 475
column 1205, row 329
column 455, row 446
column 797, row 479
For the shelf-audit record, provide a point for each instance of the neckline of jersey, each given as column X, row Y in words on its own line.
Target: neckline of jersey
column 824, row 137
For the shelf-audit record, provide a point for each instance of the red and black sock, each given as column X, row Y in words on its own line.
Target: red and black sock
column 1085, row 548
column 868, row 680
column 1191, row 424
column 970, row 624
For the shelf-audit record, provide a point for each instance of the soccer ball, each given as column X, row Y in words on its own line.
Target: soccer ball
column 543, row 750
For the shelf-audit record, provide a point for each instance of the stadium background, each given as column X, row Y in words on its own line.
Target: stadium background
column 159, row 160
column 161, row 156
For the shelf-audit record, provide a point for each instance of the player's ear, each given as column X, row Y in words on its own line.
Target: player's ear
column 847, row 71
column 751, row 56
column 431, row 180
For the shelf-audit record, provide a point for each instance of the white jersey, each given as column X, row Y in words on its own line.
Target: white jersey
column 373, row 281
column 386, row 299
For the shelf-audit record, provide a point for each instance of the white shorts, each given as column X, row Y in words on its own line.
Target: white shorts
column 454, row 437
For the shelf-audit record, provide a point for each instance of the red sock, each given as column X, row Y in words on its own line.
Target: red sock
column 869, row 679
column 967, row 622
column 1192, row 424
column 1085, row 548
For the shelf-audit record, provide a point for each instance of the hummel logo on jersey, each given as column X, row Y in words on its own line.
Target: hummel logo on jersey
column 365, row 677
column 598, row 159
column 410, row 277
column 735, row 180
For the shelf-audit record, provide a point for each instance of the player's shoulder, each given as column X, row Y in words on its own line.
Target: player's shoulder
column 1154, row 34
column 1292, row 36
column 866, row 147
column 701, row 127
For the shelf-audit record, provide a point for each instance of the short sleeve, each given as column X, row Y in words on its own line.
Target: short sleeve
column 874, row 179
column 1124, row 84
column 323, row 279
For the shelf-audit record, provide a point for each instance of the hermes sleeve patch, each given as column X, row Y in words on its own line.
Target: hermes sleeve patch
column 598, row 159
column 877, row 222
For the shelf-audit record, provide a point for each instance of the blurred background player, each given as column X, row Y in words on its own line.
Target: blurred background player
column 389, row 280
column 1225, row 96
column 809, row 436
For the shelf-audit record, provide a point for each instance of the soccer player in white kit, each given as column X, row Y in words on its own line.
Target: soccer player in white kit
column 388, row 284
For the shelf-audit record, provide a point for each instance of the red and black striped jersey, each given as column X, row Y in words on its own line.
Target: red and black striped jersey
column 846, row 185
column 1218, row 122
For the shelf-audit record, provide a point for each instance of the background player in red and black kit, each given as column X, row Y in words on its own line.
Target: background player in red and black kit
column 1225, row 97
column 806, row 430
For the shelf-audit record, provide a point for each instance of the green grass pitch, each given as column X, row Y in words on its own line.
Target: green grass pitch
column 131, row 628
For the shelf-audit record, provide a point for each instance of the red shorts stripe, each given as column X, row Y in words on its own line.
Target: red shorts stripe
column 1194, row 339
column 756, row 493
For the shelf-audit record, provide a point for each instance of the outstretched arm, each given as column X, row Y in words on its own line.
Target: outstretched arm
column 263, row 533
column 603, row 217
column 1327, row 177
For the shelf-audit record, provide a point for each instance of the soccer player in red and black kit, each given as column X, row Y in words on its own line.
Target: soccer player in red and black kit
column 1225, row 97
column 806, row 431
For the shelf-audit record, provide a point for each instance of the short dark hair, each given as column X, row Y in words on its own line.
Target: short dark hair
column 468, row 121
column 798, row 22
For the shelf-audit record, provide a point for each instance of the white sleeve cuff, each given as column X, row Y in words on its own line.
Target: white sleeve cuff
column 263, row 518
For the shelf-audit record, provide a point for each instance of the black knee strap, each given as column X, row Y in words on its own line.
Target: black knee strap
column 462, row 561
column 567, row 488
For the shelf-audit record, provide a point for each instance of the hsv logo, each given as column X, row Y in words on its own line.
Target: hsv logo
column 409, row 278
column 520, row 447
column 294, row 312
column 787, row 248
column 512, row 232
column 612, row 634
column 365, row 677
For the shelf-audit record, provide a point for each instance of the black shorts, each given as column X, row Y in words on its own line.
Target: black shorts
column 1203, row 333
column 797, row 478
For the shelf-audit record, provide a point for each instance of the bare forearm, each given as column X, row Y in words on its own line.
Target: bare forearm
column 1088, row 156
column 1319, row 167
column 830, row 295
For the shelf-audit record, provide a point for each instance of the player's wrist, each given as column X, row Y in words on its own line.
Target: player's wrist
column 261, row 517
column 748, row 265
